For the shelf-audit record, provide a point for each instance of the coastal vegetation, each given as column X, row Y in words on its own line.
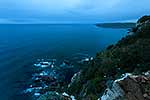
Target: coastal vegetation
column 130, row 55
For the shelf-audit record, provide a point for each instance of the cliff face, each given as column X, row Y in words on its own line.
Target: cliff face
column 113, row 93
column 97, row 79
column 130, row 55
column 131, row 87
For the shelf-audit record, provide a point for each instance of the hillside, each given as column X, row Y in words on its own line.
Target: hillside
column 130, row 55
column 115, row 73
column 116, row 25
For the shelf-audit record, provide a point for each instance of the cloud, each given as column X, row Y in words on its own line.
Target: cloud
column 6, row 21
column 74, row 10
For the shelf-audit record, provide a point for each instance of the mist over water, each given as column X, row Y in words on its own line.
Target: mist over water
column 22, row 45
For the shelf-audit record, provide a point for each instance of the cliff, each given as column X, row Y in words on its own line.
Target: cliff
column 96, row 79
column 130, row 55
column 129, row 87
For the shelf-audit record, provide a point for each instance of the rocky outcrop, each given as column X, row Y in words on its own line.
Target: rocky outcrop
column 129, row 55
column 113, row 93
column 130, row 87
column 56, row 96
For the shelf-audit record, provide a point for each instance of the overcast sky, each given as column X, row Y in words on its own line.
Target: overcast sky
column 59, row 11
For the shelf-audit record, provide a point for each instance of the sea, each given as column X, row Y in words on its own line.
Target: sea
column 22, row 44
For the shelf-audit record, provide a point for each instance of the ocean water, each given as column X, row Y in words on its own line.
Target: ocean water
column 21, row 45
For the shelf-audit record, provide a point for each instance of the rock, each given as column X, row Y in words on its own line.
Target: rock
column 130, row 87
column 65, row 94
column 50, row 96
column 72, row 97
column 145, row 95
column 113, row 93
column 75, row 77
column 56, row 96
column 47, row 78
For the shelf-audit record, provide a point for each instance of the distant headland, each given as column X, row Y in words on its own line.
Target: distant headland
column 116, row 25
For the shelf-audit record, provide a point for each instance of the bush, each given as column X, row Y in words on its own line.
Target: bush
column 130, row 54
column 143, row 19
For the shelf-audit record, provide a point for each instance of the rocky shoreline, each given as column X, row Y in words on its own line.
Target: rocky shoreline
column 50, row 79
column 129, row 55
column 96, row 79
column 129, row 87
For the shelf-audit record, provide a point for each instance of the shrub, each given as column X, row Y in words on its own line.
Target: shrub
column 143, row 19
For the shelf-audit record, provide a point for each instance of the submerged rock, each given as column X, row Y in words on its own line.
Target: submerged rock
column 49, row 77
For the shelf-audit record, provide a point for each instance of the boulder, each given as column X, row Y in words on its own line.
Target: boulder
column 131, row 87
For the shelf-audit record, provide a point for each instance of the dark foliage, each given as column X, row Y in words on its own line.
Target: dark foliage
column 130, row 54
column 143, row 19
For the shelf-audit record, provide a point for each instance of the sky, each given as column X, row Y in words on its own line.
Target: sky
column 72, row 11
